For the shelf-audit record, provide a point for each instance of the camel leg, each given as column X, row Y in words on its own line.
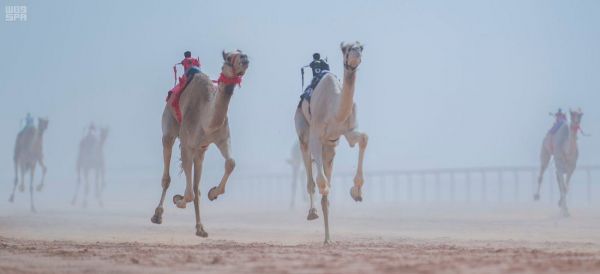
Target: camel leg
column 198, row 160
column 562, row 203
column 86, row 187
column 303, row 129
column 325, row 208
column 31, row 173
column 316, row 150
column 22, row 184
column 328, row 155
column 225, row 149
column 98, row 191
column 545, row 159
column 310, row 182
column 44, row 169
column 74, row 201
column 16, row 182
column 187, row 159
column 103, row 178
column 362, row 139
column 168, row 142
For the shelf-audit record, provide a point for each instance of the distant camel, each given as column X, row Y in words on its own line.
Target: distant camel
column 91, row 157
column 28, row 153
column 562, row 145
column 295, row 162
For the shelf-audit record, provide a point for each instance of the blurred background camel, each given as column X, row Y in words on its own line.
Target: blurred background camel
column 295, row 162
column 562, row 146
column 91, row 158
column 29, row 153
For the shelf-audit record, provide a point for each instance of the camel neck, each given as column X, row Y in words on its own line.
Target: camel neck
column 572, row 139
column 347, row 97
column 221, row 105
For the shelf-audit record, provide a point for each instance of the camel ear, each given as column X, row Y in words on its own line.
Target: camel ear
column 224, row 55
column 343, row 47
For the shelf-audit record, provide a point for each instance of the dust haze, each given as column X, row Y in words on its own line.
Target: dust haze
column 443, row 86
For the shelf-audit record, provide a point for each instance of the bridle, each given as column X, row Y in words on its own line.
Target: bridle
column 230, row 80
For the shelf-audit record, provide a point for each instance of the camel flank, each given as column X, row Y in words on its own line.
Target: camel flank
column 91, row 158
column 204, row 108
column 562, row 146
column 28, row 153
column 332, row 114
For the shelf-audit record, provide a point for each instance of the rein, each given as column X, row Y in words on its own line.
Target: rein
column 577, row 128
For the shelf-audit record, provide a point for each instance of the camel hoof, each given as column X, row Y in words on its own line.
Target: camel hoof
column 39, row 188
column 536, row 197
column 157, row 218
column 327, row 242
column 312, row 214
column 212, row 195
column 355, row 194
column 178, row 201
column 12, row 198
column 200, row 231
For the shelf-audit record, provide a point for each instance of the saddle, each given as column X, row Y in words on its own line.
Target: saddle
column 307, row 94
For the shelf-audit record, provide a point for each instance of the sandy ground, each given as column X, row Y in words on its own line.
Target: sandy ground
column 367, row 239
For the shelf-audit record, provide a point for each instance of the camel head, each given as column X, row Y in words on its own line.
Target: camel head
column 42, row 124
column 352, row 55
column 235, row 63
column 576, row 117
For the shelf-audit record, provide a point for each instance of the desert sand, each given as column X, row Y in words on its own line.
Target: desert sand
column 524, row 238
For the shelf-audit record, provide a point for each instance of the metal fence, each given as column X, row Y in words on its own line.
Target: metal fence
column 507, row 184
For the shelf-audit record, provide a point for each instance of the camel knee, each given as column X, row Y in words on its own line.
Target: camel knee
column 166, row 181
column 364, row 140
column 229, row 165
column 168, row 141
column 323, row 186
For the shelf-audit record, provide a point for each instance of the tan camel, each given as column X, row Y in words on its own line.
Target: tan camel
column 91, row 157
column 321, row 122
column 204, row 107
column 28, row 153
column 563, row 147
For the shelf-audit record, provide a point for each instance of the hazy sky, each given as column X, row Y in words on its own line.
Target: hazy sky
column 442, row 83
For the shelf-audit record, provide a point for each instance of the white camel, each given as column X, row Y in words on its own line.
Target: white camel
column 204, row 107
column 91, row 157
column 562, row 145
column 321, row 122
column 28, row 153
